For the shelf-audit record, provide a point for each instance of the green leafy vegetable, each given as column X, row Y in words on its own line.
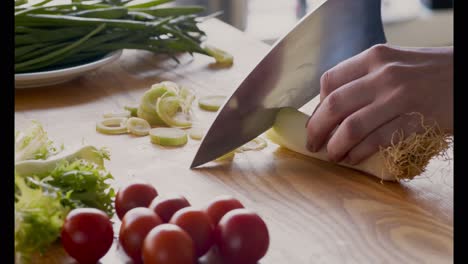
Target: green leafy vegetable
column 85, row 182
column 46, row 190
column 33, row 143
column 82, row 31
column 39, row 217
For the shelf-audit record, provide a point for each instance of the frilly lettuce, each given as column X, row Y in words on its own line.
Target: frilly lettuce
column 33, row 143
column 46, row 190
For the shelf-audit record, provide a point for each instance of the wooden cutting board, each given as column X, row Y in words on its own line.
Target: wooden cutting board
column 316, row 212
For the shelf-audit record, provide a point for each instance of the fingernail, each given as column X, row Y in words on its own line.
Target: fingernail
column 336, row 159
column 349, row 161
column 311, row 147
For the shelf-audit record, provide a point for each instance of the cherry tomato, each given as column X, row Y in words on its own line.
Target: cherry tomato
column 220, row 205
column 242, row 237
column 136, row 224
column 198, row 225
column 87, row 234
column 166, row 207
column 137, row 194
column 168, row 244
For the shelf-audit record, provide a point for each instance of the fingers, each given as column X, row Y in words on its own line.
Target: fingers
column 344, row 72
column 358, row 66
column 382, row 137
column 335, row 108
column 342, row 92
column 358, row 125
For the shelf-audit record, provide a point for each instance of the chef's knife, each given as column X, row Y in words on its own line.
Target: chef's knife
column 289, row 75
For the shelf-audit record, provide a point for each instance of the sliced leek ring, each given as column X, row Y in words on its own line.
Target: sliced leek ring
column 168, row 136
column 226, row 157
column 170, row 86
column 167, row 109
column 147, row 107
column 255, row 144
column 112, row 126
column 212, row 102
column 132, row 109
column 196, row 133
column 187, row 93
column 188, row 96
column 138, row 126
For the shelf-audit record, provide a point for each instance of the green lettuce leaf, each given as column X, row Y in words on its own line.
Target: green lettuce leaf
column 46, row 190
column 33, row 144
column 39, row 217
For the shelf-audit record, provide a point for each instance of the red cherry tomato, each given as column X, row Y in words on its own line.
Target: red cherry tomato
column 166, row 207
column 198, row 225
column 168, row 244
column 220, row 205
column 136, row 224
column 138, row 194
column 87, row 234
column 242, row 237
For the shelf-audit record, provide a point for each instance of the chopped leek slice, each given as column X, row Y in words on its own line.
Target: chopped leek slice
column 112, row 126
column 166, row 108
column 211, row 103
column 168, row 136
column 147, row 107
column 196, row 133
column 138, row 126
column 227, row 156
column 255, row 144
column 132, row 109
column 188, row 96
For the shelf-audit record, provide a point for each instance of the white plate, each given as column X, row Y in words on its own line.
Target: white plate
column 38, row 79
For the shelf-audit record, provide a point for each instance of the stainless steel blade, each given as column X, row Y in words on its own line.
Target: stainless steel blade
column 289, row 75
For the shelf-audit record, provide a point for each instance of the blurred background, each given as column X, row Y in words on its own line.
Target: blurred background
column 406, row 22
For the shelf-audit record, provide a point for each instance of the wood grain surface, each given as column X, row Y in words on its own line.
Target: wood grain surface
column 316, row 212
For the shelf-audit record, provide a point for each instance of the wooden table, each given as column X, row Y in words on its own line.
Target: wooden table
column 316, row 212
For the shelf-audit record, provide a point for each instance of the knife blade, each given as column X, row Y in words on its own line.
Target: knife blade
column 289, row 75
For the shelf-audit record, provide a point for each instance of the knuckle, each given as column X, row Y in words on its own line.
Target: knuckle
column 353, row 129
column 379, row 53
column 333, row 103
column 391, row 73
column 393, row 69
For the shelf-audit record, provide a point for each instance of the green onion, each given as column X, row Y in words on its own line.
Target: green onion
column 60, row 52
column 221, row 56
column 49, row 36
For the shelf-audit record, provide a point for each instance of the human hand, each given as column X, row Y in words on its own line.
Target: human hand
column 368, row 97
